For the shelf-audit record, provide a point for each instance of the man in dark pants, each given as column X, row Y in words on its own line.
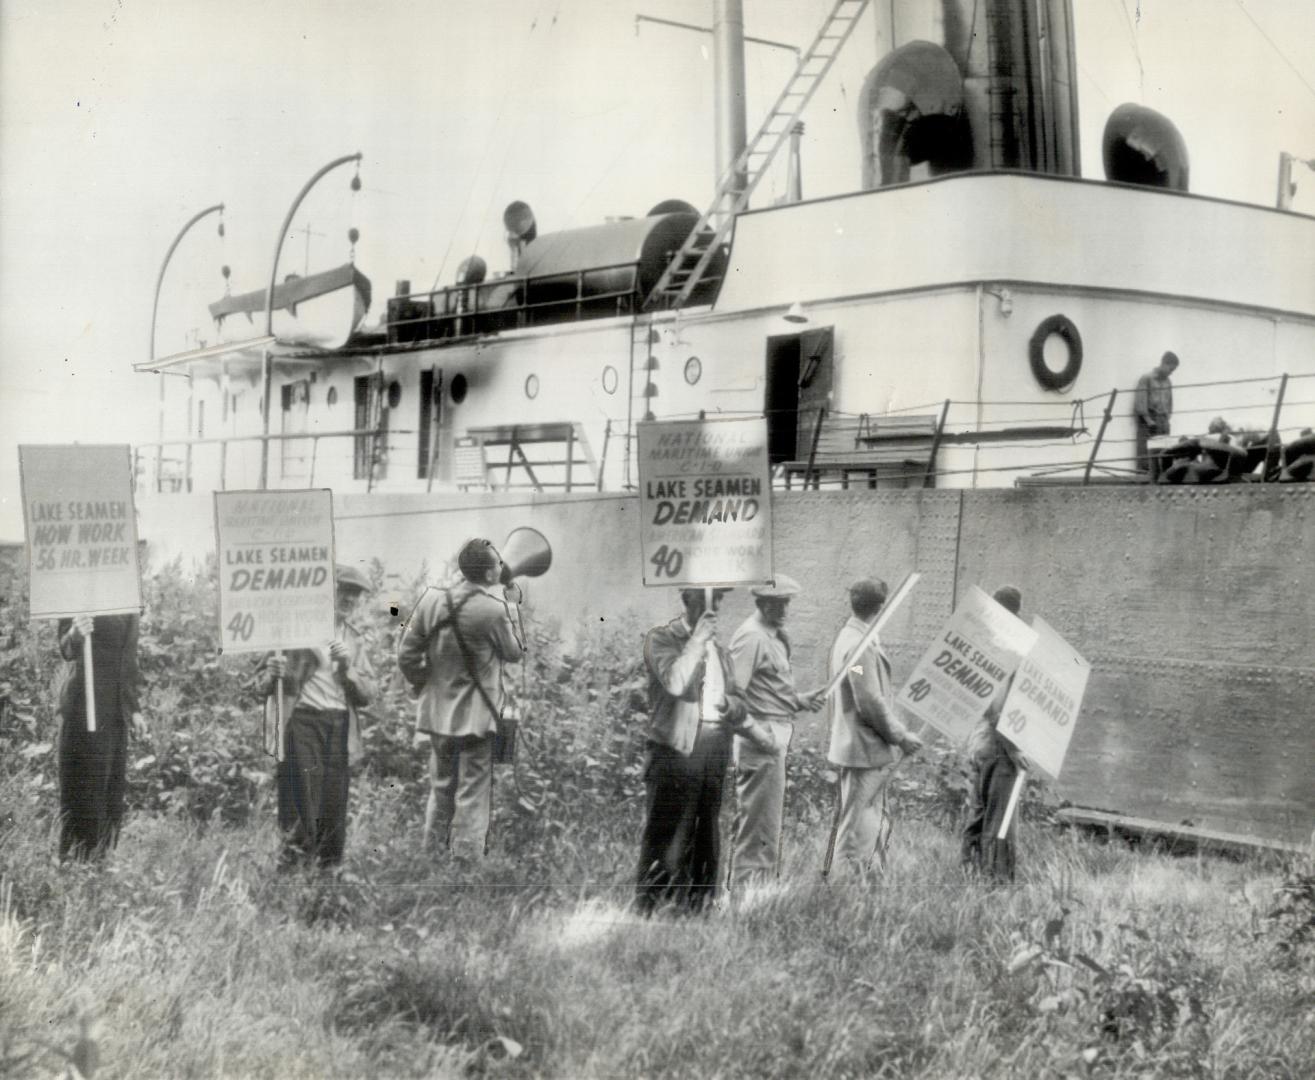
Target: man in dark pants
column 93, row 764
column 994, row 764
column 694, row 709
column 323, row 688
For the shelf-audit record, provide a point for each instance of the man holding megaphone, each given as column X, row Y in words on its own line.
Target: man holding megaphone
column 453, row 651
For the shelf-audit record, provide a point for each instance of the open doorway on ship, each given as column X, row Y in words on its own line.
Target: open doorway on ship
column 799, row 381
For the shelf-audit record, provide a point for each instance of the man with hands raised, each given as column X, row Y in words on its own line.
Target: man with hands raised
column 323, row 687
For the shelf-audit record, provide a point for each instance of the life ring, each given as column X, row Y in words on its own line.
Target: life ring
column 1036, row 352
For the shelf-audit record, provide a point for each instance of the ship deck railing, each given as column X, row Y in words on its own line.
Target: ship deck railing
column 510, row 303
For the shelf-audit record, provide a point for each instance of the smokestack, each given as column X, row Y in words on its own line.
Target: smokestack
column 728, row 50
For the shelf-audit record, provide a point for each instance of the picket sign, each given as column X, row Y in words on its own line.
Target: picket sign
column 1041, row 710
column 81, row 536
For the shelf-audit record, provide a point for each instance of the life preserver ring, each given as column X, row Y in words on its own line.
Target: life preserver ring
column 1036, row 352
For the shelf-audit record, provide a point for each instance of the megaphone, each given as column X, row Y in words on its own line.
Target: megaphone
column 526, row 553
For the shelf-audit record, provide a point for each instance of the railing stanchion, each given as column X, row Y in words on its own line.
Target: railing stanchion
column 1100, row 435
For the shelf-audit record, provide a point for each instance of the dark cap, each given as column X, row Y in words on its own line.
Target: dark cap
column 476, row 558
column 348, row 577
column 1009, row 598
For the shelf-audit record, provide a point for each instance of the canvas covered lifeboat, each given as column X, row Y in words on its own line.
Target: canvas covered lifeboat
column 319, row 310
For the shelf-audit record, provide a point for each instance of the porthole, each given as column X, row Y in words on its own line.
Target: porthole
column 394, row 394
column 609, row 379
column 331, row 398
column 531, row 386
column 693, row 370
column 459, row 388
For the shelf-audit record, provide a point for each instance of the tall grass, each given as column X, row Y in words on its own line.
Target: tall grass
column 203, row 962
column 199, row 960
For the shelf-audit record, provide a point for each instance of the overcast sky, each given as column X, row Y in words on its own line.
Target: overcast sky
column 120, row 119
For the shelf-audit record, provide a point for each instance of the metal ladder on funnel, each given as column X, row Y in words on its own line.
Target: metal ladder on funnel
column 688, row 266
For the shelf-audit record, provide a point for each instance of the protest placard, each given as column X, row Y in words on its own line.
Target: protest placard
column 705, row 502
column 965, row 666
column 276, row 582
column 81, row 530
column 1042, row 707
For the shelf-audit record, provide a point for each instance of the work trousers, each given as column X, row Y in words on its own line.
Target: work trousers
column 1157, row 426
column 862, row 822
column 460, row 792
column 312, row 788
column 759, row 805
column 92, row 783
column 680, row 851
column 991, row 782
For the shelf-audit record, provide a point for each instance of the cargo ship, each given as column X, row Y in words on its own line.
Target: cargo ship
column 947, row 362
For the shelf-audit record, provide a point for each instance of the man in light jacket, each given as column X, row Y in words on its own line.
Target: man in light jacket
column 694, row 708
column 867, row 739
column 453, row 651
column 760, row 651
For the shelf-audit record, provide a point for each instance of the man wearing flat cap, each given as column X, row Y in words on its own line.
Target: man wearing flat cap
column 694, row 707
column 323, row 689
column 867, row 739
column 454, row 651
column 760, row 651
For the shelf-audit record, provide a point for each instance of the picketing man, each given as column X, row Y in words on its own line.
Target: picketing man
column 993, row 764
column 868, row 741
column 453, row 652
column 694, row 709
column 324, row 689
column 1152, row 406
column 93, row 764
column 760, row 653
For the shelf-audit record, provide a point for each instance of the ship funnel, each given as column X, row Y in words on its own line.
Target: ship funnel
column 518, row 220
column 471, row 271
column 970, row 84
column 1142, row 146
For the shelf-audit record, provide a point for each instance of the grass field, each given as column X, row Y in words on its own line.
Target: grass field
column 188, row 956
column 201, row 962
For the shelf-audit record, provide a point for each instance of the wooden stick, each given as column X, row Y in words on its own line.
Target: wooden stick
column 89, row 680
column 1019, row 781
column 279, row 753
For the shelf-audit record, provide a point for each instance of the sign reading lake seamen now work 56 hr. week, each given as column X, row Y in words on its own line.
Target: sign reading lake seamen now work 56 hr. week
column 1042, row 707
column 275, row 569
column 705, row 502
column 966, row 665
column 81, row 530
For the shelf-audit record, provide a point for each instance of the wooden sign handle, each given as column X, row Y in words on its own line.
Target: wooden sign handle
column 89, row 680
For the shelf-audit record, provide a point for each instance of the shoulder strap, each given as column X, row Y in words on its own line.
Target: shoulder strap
column 465, row 651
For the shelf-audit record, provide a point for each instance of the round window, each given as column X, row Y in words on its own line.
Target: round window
column 331, row 398
column 394, row 394
column 531, row 386
column 459, row 388
column 609, row 379
column 693, row 370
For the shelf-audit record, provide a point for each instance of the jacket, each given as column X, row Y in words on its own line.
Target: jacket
column 114, row 671
column 675, row 664
column 431, row 660
column 358, row 682
column 865, row 732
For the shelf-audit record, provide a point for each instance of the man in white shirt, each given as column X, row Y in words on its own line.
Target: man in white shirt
column 867, row 739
